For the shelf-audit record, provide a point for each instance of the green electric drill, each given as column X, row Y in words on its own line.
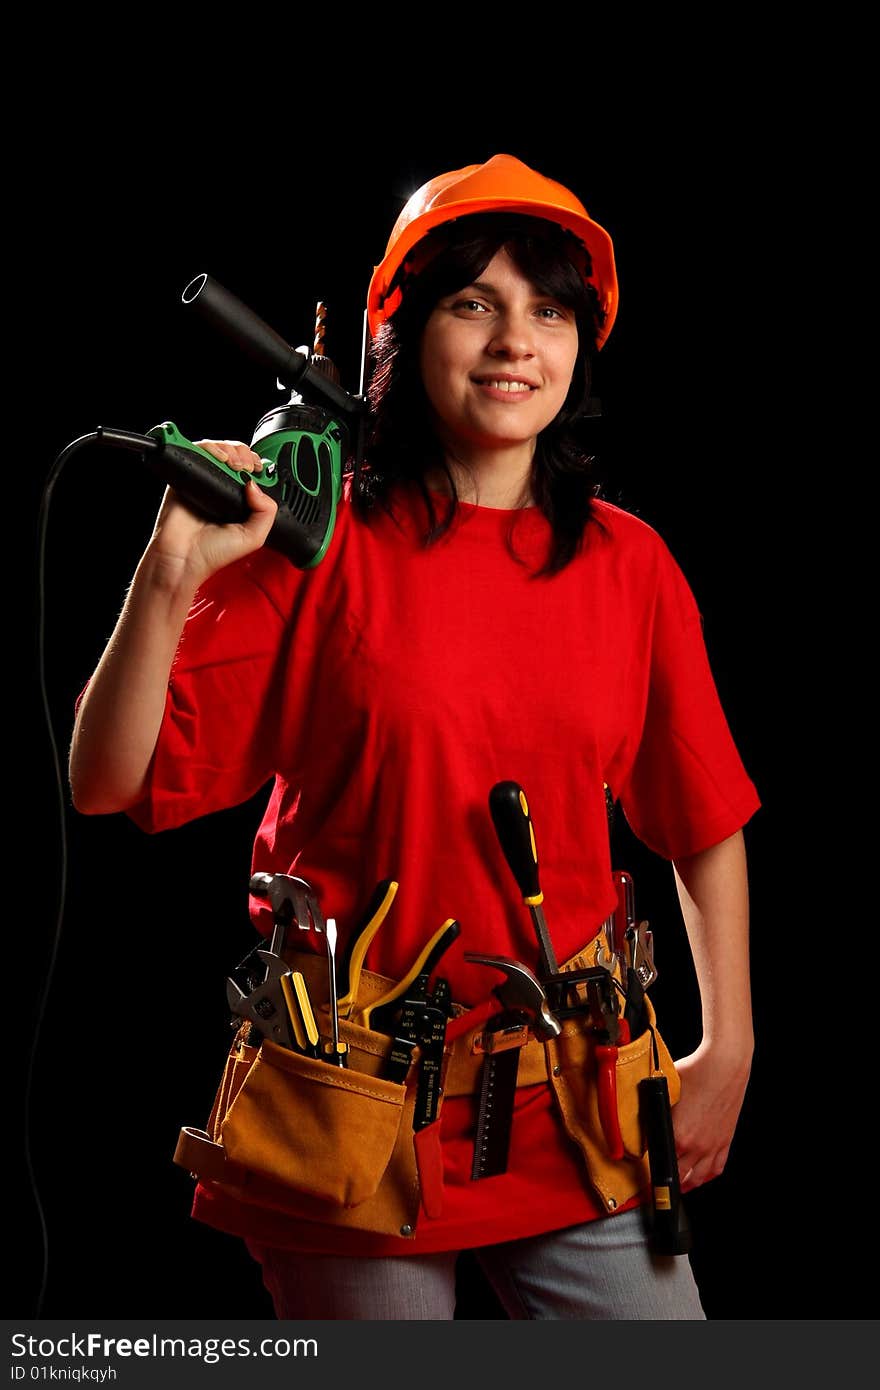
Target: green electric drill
column 304, row 443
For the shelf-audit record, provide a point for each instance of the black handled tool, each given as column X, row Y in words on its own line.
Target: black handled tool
column 421, row 1022
column 304, row 444
column 516, row 835
column 670, row 1232
column 432, row 1041
column 414, row 1015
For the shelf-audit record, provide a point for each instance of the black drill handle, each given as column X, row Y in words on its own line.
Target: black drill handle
column 516, row 835
column 197, row 478
column 670, row 1232
column 227, row 313
column 208, row 490
column 212, row 493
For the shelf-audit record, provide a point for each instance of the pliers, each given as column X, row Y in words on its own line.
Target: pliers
column 351, row 958
column 417, row 976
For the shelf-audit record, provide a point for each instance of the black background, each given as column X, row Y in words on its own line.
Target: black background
column 698, row 435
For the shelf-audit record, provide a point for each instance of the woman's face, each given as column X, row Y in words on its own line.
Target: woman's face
column 497, row 359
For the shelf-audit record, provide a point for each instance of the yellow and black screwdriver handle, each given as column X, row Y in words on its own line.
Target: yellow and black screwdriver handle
column 510, row 814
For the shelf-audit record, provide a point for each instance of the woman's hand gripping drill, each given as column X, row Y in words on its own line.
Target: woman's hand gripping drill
column 186, row 549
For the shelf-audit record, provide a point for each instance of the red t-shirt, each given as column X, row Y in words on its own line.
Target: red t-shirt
column 386, row 692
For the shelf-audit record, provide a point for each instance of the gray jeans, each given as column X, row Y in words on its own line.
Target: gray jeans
column 600, row 1271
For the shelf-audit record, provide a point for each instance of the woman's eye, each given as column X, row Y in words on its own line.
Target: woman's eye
column 472, row 304
column 551, row 311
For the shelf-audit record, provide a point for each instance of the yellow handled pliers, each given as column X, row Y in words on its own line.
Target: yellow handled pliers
column 351, row 958
column 423, row 964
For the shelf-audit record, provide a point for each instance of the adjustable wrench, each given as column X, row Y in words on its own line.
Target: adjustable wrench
column 265, row 1005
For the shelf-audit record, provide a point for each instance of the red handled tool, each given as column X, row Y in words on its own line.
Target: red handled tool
column 606, row 1089
column 611, row 1031
column 624, row 915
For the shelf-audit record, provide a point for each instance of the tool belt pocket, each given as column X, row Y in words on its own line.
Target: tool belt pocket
column 322, row 1129
column 310, row 1139
column 575, row 1077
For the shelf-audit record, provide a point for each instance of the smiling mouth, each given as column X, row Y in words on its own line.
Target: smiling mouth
column 501, row 384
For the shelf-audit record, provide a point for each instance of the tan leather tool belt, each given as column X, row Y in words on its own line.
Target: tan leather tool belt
column 336, row 1145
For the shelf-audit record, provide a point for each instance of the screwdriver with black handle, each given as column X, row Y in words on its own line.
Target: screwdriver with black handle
column 516, row 835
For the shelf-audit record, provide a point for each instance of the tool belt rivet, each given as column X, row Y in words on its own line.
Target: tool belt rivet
column 612, row 1203
column 406, row 1230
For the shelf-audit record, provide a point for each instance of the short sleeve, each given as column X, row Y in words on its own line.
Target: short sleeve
column 687, row 788
column 216, row 747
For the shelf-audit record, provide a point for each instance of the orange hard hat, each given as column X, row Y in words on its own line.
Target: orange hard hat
column 502, row 184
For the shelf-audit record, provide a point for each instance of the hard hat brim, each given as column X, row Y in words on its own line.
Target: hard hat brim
column 590, row 233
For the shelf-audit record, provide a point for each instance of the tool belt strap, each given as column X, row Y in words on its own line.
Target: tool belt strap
column 197, row 1151
column 464, row 1057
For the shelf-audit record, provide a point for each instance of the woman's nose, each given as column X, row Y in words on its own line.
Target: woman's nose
column 512, row 337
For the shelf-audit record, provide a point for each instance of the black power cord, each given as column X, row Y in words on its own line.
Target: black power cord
column 99, row 436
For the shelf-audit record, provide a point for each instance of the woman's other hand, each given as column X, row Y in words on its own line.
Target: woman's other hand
column 713, row 1087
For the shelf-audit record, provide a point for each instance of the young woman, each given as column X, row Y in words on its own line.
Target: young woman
column 481, row 615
